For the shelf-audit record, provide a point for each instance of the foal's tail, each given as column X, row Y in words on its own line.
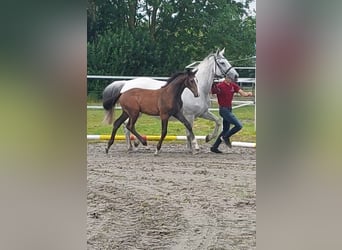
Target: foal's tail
column 111, row 95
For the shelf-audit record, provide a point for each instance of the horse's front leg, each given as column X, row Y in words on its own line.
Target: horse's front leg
column 191, row 137
column 191, row 142
column 164, row 122
column 210, row 116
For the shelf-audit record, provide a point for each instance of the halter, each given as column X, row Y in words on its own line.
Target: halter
column 224, row 73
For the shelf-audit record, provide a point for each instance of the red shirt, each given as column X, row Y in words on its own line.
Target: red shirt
column 225, row 93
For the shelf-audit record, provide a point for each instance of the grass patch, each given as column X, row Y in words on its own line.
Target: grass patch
column 148, row 125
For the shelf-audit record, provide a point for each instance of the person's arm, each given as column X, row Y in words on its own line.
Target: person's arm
column 214, row 88
column 245, row 94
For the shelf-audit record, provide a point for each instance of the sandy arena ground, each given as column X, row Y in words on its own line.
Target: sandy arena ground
column 172, row 201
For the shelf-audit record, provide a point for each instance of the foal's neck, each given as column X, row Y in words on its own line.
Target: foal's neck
column 176, row 88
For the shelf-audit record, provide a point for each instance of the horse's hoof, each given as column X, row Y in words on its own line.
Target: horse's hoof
column 195, row 152
column 106, row 150
column 207, row 138
column 136, row 144
column 156, row 152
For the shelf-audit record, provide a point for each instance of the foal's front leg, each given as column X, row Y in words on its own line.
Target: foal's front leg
column 164, row 123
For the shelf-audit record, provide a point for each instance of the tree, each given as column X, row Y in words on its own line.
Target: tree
column 158, row 37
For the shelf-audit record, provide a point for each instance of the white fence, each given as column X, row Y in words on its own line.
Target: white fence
column 236, row 103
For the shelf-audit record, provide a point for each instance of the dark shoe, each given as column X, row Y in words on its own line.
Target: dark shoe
column 226, row 141
column 215, row 150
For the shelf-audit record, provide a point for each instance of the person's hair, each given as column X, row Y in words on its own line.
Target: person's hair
column 229, row 79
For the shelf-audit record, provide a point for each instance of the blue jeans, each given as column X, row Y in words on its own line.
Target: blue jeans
column 228, row 119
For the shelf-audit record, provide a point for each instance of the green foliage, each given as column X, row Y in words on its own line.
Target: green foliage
column 159, row 37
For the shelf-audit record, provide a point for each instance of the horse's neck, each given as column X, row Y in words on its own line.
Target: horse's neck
column 205, row 76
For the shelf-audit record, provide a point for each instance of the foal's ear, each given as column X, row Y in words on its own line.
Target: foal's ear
column 194, row 71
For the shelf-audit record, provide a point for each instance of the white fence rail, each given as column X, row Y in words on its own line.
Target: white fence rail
column 238, row 103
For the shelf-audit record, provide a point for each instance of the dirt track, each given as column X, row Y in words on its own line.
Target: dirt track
column 172, row 201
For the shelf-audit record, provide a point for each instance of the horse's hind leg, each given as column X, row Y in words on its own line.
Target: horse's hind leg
column 116, row 125
column 130, row 126
column 128, row 137
column 210, row 116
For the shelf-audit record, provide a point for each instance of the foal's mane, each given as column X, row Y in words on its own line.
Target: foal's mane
column 173, row 77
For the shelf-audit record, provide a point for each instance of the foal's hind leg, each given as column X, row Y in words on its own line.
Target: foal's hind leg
column 116, row 125
column 130, row 126
column 128, row 138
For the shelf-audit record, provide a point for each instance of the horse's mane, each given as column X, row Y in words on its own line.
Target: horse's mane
column 211, row 54
column 204, row 60
column 173, row 77
column 207, row 58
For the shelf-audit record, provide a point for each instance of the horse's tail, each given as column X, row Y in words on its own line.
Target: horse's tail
column 111, row 95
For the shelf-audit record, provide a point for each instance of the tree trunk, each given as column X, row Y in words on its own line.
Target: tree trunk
column 153, row 18
column 132, row 10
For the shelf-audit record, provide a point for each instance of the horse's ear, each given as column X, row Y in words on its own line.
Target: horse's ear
column 217, row 51
column 222, row 51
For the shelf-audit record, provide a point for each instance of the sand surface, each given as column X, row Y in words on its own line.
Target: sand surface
column 175, row 200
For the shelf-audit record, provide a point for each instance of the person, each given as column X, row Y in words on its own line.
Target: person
column 225, row 92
